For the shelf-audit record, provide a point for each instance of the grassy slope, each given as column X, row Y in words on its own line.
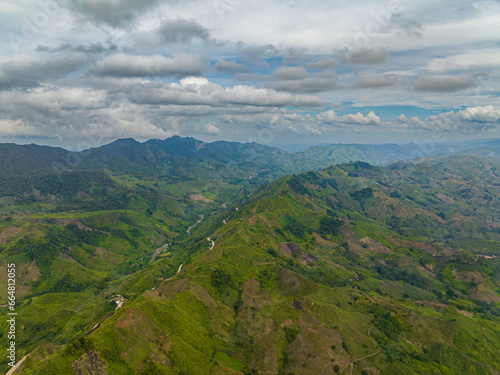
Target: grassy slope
column 398, row 288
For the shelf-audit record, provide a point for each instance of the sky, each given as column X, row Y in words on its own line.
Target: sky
column 81, row 73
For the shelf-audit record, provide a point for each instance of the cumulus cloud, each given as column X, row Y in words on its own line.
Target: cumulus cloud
column 228, row 66
column 356, row 119
column 155, row 110
column 370, row 119
column 486, row 114
column 92, row 48
column 182, row 31
column 128, row 65
column 308, row 85
column 210, row 128
column 322, row 64
column 115, row 13
column 293, row 54
column 468, row 121
column 117, row 59
column 55, row 99
column 290, row 73
column 374, row 81
column 18, row 128
column 265, row 97
column 365, row 56
column 297, row 79
column 278, row 121
column 328, row 116
column 254, row 53
column 483, row 58
column 406, row 27
column 444, row 83
column 26, row 71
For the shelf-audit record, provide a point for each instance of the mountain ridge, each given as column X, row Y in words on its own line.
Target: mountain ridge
column 351, row 269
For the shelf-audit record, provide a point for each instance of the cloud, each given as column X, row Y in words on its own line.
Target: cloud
column 18, row 128
column 308, row 85
column 199, row 91
column 406, row 27
column 122, row 60
column 211, row 129
column 331, row 117
column 290, row 73
column 256, row 52
column 25, row 71
column 444, row 83
column 277, row 122
column 374, row 81
column 467, row 121
column 127, row 65
column 55, row 99
column 484, row 58
column 370, row 119
column 115, row 13
column 141, row 109
column 328, row 116
column 293, row 54
column 486, row 114
column 93, row 48
column 365, row 56
column 322, row 64
column 228, row 66
column 265, row 97
column 297, row 79
column 182, row 31
column 74, row 112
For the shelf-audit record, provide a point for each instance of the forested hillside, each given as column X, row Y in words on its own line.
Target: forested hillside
column 354, row 269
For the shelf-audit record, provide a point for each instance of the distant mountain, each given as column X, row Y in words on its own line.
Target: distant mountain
column 27, row 169
column 27, row 159
column 32, row 173
column 160, row 156
column 489, row 151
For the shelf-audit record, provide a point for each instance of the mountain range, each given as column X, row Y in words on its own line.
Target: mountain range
column 229, row 258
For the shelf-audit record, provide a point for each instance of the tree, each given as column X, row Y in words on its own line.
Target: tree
column 329, row 225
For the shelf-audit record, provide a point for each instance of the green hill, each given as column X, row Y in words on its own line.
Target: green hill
column 354, row 269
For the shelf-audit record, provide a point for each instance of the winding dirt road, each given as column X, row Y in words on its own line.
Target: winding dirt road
column 188, row 231
column 213, row 242
column 16, row 366
column 158, row 252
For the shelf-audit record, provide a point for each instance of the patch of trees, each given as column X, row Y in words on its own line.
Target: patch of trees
column 345, row 251
column 329, row 225
column 69, row 283
column 315, row 178
column 297, row 184
column 392, row 271
column 396, row 194
column 291, row 333
column 294, row 226
column 362, row 194
column 57, row 239
column 363, row 165
column 81, row 190
column 389, row 325
column 119, row 233
column 220, row 279
column 78, row 346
